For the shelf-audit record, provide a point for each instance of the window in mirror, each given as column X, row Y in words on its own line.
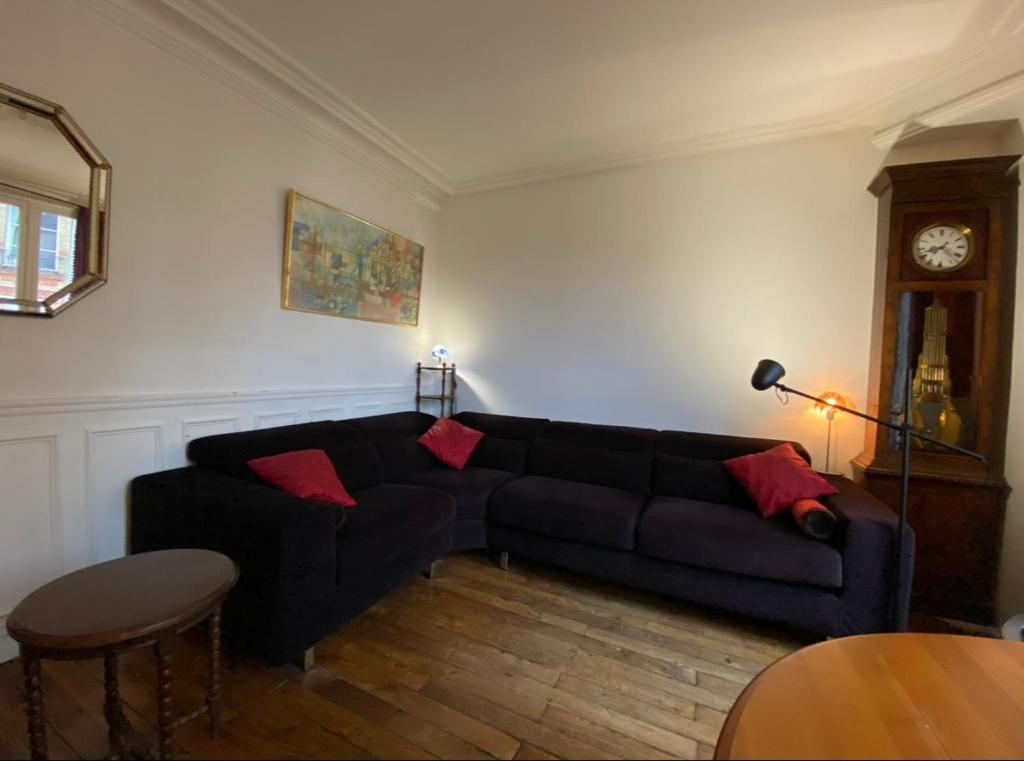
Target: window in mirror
column 56, row 252
column 39, row 252
column 10, row 218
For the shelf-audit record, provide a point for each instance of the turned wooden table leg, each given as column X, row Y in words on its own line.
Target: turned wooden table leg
column 112, row 707
column 32, row 667
column 213, row 698
column 163, row 696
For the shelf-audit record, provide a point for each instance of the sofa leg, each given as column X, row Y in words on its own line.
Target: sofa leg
column 431, row 570
column 305, row 660
column 503, row 561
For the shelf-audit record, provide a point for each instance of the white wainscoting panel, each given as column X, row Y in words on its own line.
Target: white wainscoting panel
column 317, row 414
column 276, row 419
column 113, row 457
column 66, row 464
column 31, row 539
column 197, row 428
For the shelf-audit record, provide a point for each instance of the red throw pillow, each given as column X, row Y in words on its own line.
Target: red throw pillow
column 814, row 519
column 451, row 442
column 306, row 473
column 777, row 478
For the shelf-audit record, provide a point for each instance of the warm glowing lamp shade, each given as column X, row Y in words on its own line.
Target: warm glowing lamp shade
column 829, row 401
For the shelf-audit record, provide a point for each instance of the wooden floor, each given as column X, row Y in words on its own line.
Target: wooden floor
column 476, row 663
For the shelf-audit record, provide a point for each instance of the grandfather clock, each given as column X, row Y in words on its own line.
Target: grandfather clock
column 945, row 277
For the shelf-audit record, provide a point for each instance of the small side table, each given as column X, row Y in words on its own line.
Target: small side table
column 108, row 609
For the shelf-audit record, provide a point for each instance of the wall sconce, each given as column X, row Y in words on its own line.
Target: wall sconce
column 826, row 405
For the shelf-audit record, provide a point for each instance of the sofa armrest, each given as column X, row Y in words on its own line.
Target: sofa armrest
column 867, row 543
column 284, row 546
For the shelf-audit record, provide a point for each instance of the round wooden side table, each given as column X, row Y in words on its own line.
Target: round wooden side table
column 884, row 696
column 110, row 608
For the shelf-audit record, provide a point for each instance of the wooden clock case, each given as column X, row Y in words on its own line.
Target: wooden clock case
column 956, row 505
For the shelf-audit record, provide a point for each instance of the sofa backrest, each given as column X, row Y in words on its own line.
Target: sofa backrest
column 394, row 436
column 506, row 443
column 229, row 452
column 690, row 465
column 606, row 455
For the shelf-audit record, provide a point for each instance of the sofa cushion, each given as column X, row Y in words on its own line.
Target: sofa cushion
column 507, row 440
column 229, row 452
column 605, row 455
column 692, row 478
column 777, row 478
column 390, row 519
column 579, row 512
column 713, row 446
column 358, row 467
column 451, row 442
column 306, row 473
column 732, row 539
column 472, row 487
column 394, row 436
column 394, row 425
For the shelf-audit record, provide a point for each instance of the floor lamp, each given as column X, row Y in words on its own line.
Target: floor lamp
column 768, row 374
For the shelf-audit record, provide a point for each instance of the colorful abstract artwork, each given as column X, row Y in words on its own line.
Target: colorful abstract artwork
column 339, row 265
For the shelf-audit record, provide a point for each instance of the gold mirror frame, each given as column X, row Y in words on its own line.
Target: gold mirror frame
column 95, row 273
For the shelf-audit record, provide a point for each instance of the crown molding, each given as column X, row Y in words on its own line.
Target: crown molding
column 218, row 43
column 985, row 62
column 950, row 111
column 205, row 36
column 820, row 124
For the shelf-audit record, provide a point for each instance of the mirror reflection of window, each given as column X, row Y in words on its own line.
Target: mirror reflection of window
column 10, row 218
column 56, row 253
column 38, row 246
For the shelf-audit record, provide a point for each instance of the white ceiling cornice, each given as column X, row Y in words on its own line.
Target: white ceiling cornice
column 950, row 111
column 205, row 35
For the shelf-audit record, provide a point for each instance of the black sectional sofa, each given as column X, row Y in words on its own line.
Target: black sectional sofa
column 651, row 509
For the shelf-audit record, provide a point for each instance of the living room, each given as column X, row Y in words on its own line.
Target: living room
column 616, row 209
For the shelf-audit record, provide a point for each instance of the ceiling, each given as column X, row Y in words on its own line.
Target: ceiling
column 484, row 93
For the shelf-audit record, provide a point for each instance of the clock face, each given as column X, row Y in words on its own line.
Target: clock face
column 943, row 247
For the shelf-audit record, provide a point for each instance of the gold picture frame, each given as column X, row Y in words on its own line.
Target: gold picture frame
column 340, row 265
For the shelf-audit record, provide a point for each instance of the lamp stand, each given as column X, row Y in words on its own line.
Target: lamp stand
column 830, row 416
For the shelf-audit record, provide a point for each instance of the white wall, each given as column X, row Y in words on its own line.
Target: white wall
column 646, row 296
column 191, row 316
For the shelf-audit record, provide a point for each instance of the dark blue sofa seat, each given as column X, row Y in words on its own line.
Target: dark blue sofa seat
column 578, row 512
column 471, row 487
column 394, row 532
column 736, row 540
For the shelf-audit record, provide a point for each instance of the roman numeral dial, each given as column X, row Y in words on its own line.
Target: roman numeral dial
column 943, row 247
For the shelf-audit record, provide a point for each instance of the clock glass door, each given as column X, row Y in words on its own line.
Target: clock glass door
column 938, row 340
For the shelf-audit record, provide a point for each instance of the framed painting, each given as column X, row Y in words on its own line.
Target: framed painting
column 343, row 266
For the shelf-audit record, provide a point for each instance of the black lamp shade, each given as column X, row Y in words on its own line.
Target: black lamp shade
column 767, row 374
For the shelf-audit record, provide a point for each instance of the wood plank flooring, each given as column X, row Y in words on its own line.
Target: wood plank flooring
column 477, row 663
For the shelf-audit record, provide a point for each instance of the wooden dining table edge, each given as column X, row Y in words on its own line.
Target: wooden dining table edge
column 723, row 748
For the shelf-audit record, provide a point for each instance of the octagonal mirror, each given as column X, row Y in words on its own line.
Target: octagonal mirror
column 54, row 208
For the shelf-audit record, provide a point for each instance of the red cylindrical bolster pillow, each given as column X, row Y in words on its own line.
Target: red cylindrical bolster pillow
column 814, row 519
